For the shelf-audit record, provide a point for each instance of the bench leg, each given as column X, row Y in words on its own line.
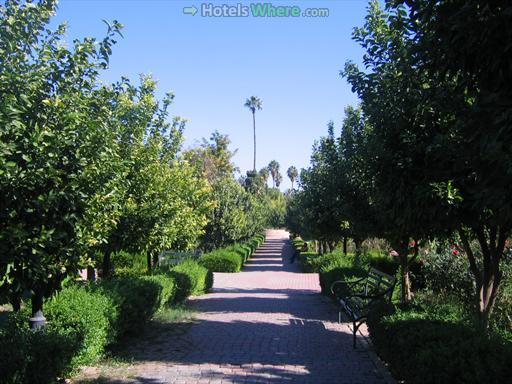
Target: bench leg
column 355, row 334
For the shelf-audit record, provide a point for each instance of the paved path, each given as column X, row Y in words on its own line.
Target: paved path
column 267, row 324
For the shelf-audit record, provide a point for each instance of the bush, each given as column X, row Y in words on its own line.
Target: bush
column 221, row 261
column 135, row 300
column 167, row 288
column 29, row 357
column 445, row 272
column 191, row 279
column 334, row 267
column 430, row 344
column 231, row 258
column 78, row 311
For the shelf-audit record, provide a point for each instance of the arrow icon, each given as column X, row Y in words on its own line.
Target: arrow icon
column 190, row 10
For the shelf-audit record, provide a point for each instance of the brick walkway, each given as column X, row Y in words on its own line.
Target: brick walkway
column 267, row 324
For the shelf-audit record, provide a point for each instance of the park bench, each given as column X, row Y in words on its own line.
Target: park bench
column 356, row 297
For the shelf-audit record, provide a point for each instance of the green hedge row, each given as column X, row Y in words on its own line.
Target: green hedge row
column 231, row 258
column 85, row 320
column 434, row 344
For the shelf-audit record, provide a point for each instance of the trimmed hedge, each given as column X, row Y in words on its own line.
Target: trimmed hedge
column 433, row 345
column 231, row 258
column 78, row 311
column 29, row 357
column 222, row 261
column 191, row 279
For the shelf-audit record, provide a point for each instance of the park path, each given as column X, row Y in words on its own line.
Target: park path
column 267, row 324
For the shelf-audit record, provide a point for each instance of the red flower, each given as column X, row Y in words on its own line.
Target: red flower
column 455, row 252
column 412, row 244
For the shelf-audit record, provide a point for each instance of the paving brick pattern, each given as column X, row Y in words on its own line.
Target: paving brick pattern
column 267, row 324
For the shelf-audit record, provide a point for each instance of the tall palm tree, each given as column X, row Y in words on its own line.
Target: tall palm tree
column 273, row 168
column 292, row 174
column 253, row 103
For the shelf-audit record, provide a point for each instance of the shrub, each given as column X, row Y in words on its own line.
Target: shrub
column 501, row 320
column 78, row 311
column 448, row 273
column 334, row 267
column 191, row 279
column 125, row 263
column 29, row 357
column 167, row 288
column 221, row 261
column 135, row 300
column 430, row 344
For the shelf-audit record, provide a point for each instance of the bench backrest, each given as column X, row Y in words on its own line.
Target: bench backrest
column 379, row 283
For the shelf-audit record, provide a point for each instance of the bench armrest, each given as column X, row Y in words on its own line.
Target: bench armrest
column 346, row 283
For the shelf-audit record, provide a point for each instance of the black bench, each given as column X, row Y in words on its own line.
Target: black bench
column 357, row 296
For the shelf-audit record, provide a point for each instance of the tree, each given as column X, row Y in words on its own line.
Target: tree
column 391, row 90
column 292, row 174
column 273, row 168
column 55, row 142
column 213, row 157
column 469, row 123
column 167, row 202
column 253, row 103
column 264, row 174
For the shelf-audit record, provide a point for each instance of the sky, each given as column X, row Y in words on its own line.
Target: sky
column 212, row 64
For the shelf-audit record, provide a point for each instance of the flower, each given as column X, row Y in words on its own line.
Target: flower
column 393, row 253
column 455, row 252
column 412, row 244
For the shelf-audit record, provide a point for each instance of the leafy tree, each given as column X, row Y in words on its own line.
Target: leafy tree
column 214, row 157
column 253, row 103
column 167, row 200
column 264, row 174
column 273, row 168
column 55, row 151
column 464, row 47
column 292, row 174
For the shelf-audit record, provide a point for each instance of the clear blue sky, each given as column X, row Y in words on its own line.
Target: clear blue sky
column 213, row 64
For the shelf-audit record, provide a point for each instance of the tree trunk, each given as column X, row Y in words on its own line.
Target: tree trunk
column 254, row 135
column 403, row 248
column 91, row 274
column 155, row 260
column 107, row 265
column 37, row 320
column 345, row 241
column 358, row 244
column 332, row 246
column 15, row 302
column 149, row 261
column 487, row 278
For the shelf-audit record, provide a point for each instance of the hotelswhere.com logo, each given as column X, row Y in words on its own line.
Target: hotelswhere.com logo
column 253, row 10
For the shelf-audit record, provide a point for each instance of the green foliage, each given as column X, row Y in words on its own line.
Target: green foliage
column 449, row 273
column 29, row 357
column 85, row 314
column 430, row 344
column 134, row 300
column 191, row 279
column 59, row 168
column 222, row 261
column 231, row 258
column 167, row 289
column 334, row 267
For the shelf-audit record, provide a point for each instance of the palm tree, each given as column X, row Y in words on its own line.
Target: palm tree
column 292, row 174
column 264, row 174
column 253, row 103
column 273, row 168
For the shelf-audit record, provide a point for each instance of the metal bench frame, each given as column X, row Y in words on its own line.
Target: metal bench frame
column 375, row 286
